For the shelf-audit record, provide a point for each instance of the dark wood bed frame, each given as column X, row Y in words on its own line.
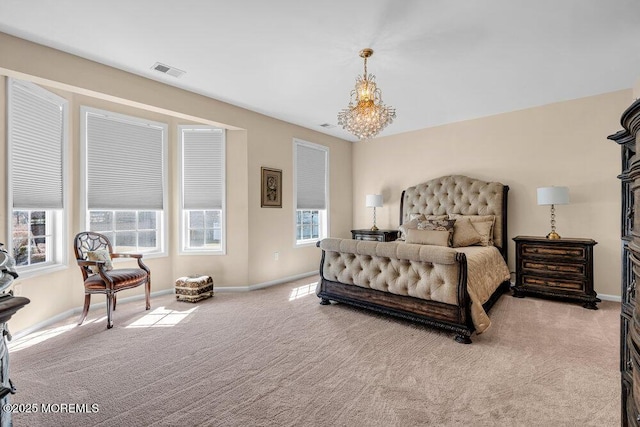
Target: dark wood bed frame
column 453, row 318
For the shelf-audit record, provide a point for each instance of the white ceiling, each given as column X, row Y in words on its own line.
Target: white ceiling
column 436, row 61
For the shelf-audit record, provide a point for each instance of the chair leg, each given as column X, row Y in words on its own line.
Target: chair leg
column 109, row 311
column 147, row 294
column 85, row 309
column 115, row 300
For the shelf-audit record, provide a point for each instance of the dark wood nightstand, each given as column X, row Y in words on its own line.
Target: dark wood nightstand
column 378, row 235
column 561, row 268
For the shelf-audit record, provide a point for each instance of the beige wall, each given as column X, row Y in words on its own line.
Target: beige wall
column 557, row 144
column 254, row 234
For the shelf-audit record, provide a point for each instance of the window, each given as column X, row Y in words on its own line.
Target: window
column 202, row 177
column 125, row 179
column 311, row 174
column 129, row 231
column 37, row 136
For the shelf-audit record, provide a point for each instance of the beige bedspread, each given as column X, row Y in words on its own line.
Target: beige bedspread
column 486, row 270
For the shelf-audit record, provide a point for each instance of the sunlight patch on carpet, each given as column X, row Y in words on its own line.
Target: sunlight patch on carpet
column 37, row 337
column 161, row 318
column 302, row 291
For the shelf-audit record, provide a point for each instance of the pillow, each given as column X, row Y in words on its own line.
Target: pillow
column 483, row 225
column 439, row 225
column 465, row 234
column 413, row 223
column 100, row 255
column 428, row 237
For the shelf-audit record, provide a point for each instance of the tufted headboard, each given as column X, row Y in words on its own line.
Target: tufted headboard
column 458, row 194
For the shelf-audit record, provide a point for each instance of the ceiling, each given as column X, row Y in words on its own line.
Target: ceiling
column 436, row 61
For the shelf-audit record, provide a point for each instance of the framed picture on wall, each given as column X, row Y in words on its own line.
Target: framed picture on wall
column 271, row 188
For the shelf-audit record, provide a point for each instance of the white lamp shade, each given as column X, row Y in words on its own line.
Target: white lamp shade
column 553, row 195
column 374, row 200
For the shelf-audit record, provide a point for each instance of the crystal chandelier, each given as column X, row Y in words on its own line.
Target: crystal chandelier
column 366, row 115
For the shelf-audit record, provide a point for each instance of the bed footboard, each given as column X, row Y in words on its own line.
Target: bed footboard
column 453, row 316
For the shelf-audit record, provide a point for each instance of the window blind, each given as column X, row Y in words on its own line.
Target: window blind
column 36, row 140
column 202, row 168
column 125, row 162
column 311, row 177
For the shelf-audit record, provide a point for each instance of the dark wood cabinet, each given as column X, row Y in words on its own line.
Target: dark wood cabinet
column 375, row 235
column 561, row 268
column 630, row 268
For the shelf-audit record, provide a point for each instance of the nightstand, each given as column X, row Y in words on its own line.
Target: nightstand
column 561, row 268
column 378, row 235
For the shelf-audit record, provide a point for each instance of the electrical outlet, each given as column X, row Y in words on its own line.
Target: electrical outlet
column 17, row 290
column 276, row 256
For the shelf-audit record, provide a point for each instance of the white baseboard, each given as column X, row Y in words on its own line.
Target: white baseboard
column 101, row 304
column 264, row 284
column 614, row 298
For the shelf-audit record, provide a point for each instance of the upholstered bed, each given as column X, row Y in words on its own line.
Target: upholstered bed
column 447, row 272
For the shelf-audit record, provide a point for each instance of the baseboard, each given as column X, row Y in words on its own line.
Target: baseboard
column 264, row 284
column 101, row 304
column 614, row 298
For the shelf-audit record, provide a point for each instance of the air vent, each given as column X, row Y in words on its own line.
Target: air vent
column 166, row 69
column 327, row 125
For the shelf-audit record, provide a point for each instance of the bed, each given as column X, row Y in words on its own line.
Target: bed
column 448, row 284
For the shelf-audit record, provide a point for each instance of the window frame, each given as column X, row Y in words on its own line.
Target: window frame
column 323, row 214
column 55, row 219
column 184, row 248
column 161, row 222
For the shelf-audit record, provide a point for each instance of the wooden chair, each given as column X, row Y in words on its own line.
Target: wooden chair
column 105, row 281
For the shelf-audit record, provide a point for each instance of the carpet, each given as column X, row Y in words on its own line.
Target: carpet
column 275, row 357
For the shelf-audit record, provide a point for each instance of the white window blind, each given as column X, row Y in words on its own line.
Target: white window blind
column 311, row 177
column 202, row 168
column 125, row 162
column 36, row 125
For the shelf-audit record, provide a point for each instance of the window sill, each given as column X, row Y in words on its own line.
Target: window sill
column 201, row 252
column 307, row 243
column 31, row 272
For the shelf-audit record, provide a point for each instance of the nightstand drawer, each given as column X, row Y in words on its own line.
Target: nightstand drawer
column 556, row 252
column 544, row 267
column 370, row 237
column 547, row 282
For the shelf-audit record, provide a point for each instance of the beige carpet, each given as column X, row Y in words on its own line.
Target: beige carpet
column 275, row 357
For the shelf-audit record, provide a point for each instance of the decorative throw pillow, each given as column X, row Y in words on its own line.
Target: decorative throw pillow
column 100, row 255
column 428, row 237
column 483, row 225
column 465, row 234
column 439, row 225
column 413, row 223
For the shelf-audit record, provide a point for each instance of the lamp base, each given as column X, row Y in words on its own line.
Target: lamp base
column 553, row 236
column 374, row 228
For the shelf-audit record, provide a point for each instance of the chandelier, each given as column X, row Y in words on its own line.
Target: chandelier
column 366, row 115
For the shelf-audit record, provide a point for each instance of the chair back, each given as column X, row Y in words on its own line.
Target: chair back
column 89, row 241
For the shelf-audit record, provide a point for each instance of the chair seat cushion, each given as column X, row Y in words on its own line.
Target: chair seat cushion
column 122, row 278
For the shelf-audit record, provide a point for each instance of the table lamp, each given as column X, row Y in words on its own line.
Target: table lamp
column 553, row 196
column 374, row 201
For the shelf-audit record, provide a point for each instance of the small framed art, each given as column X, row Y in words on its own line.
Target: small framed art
column 271, row 188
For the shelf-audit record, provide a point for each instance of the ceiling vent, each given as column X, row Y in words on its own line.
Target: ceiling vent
column 166, row 69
